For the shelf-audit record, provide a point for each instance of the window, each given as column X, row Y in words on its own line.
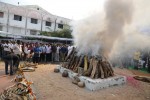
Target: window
column 32, row 32
column 60, row 26
column 17, row 17
column 48, row 23
column 1, row 28
column 34, row 21
column 1, row 14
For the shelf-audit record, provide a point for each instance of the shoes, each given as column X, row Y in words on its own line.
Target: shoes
column 7, row 73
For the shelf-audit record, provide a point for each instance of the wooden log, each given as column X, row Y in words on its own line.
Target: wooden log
column 80, row 61
column 85, row 63
column 76, row 63
column 101, row 70
column 104, row 69
column 97, row 73
column 71, row 53
column 142, row 78
column 88, row 72
column 71, row 61
column 94, row 68
column 110, row 68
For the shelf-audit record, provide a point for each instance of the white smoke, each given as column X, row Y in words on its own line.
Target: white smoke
column 116, row 31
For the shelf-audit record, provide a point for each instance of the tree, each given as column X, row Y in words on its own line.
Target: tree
column 45, row 33
column 65, row 33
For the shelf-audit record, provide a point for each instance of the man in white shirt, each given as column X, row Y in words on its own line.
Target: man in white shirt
column 57, row 53
column 17, row 49
column 7, row 48
column 43, row 53
column 48, row 53
column 70, row 47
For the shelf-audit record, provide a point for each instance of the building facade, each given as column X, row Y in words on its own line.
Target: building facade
column 29, row 20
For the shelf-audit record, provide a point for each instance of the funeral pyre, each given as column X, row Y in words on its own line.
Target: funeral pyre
column 91, row 66
column 19, row 91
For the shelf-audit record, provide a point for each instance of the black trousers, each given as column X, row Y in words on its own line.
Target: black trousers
column 42, row 57
column 7, row 63
column 36, row 59
column 48, row 57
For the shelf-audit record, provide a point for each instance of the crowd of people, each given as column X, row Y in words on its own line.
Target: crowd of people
column 12, row 52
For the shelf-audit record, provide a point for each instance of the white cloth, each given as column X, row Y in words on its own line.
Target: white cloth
column 17, row 49
column 26, row 50
column 69, row 49
column 48, row 49
column 58, row 49
column 6, row 47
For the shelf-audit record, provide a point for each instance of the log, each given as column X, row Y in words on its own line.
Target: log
column 101, row 70
column 76, row 63
column 88, row 72
column 95, row 62
column 85, row 63
column 142, row 78
column 80, row 61
column 71, row 61
column 71, row 53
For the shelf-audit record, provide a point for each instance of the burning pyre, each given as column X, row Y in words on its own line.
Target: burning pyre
column 91, row 66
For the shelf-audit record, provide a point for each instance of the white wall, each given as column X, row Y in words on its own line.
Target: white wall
column 33, row 26
column 3, row 20
column 16, row 23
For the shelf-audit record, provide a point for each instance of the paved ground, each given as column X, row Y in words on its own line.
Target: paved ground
column 52, row 86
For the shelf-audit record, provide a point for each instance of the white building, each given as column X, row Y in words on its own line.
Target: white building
column 29, row 20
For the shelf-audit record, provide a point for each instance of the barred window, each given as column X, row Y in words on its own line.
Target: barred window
column 1, row 14
column 34, row 21
column 48, row 23
column 60, row 26
column 17, row 17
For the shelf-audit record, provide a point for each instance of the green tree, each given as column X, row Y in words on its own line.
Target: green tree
column 65, row 33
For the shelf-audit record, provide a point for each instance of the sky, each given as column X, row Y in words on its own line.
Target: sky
column 72, row 9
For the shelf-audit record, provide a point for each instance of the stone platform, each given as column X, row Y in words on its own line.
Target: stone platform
column 96, row 84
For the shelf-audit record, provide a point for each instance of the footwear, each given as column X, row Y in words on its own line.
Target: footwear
column 7, row 73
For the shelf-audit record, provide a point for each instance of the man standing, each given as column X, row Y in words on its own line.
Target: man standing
column 36, row 55
column 7, row 48
column 43, row 53
column 13, row 61
column 48, row 53
column 54, row 49
column 17, row 50
column 57, row 53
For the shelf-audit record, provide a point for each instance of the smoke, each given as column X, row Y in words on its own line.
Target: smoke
column 116, row 31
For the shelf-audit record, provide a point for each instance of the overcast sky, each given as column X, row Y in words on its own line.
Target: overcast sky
column 73, row 9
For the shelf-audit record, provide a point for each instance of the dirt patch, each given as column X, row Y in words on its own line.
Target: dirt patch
column 52, row 86
column 5, row 80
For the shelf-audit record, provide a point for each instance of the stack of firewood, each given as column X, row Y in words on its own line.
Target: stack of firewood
column 93, row 66
column 20, row 91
